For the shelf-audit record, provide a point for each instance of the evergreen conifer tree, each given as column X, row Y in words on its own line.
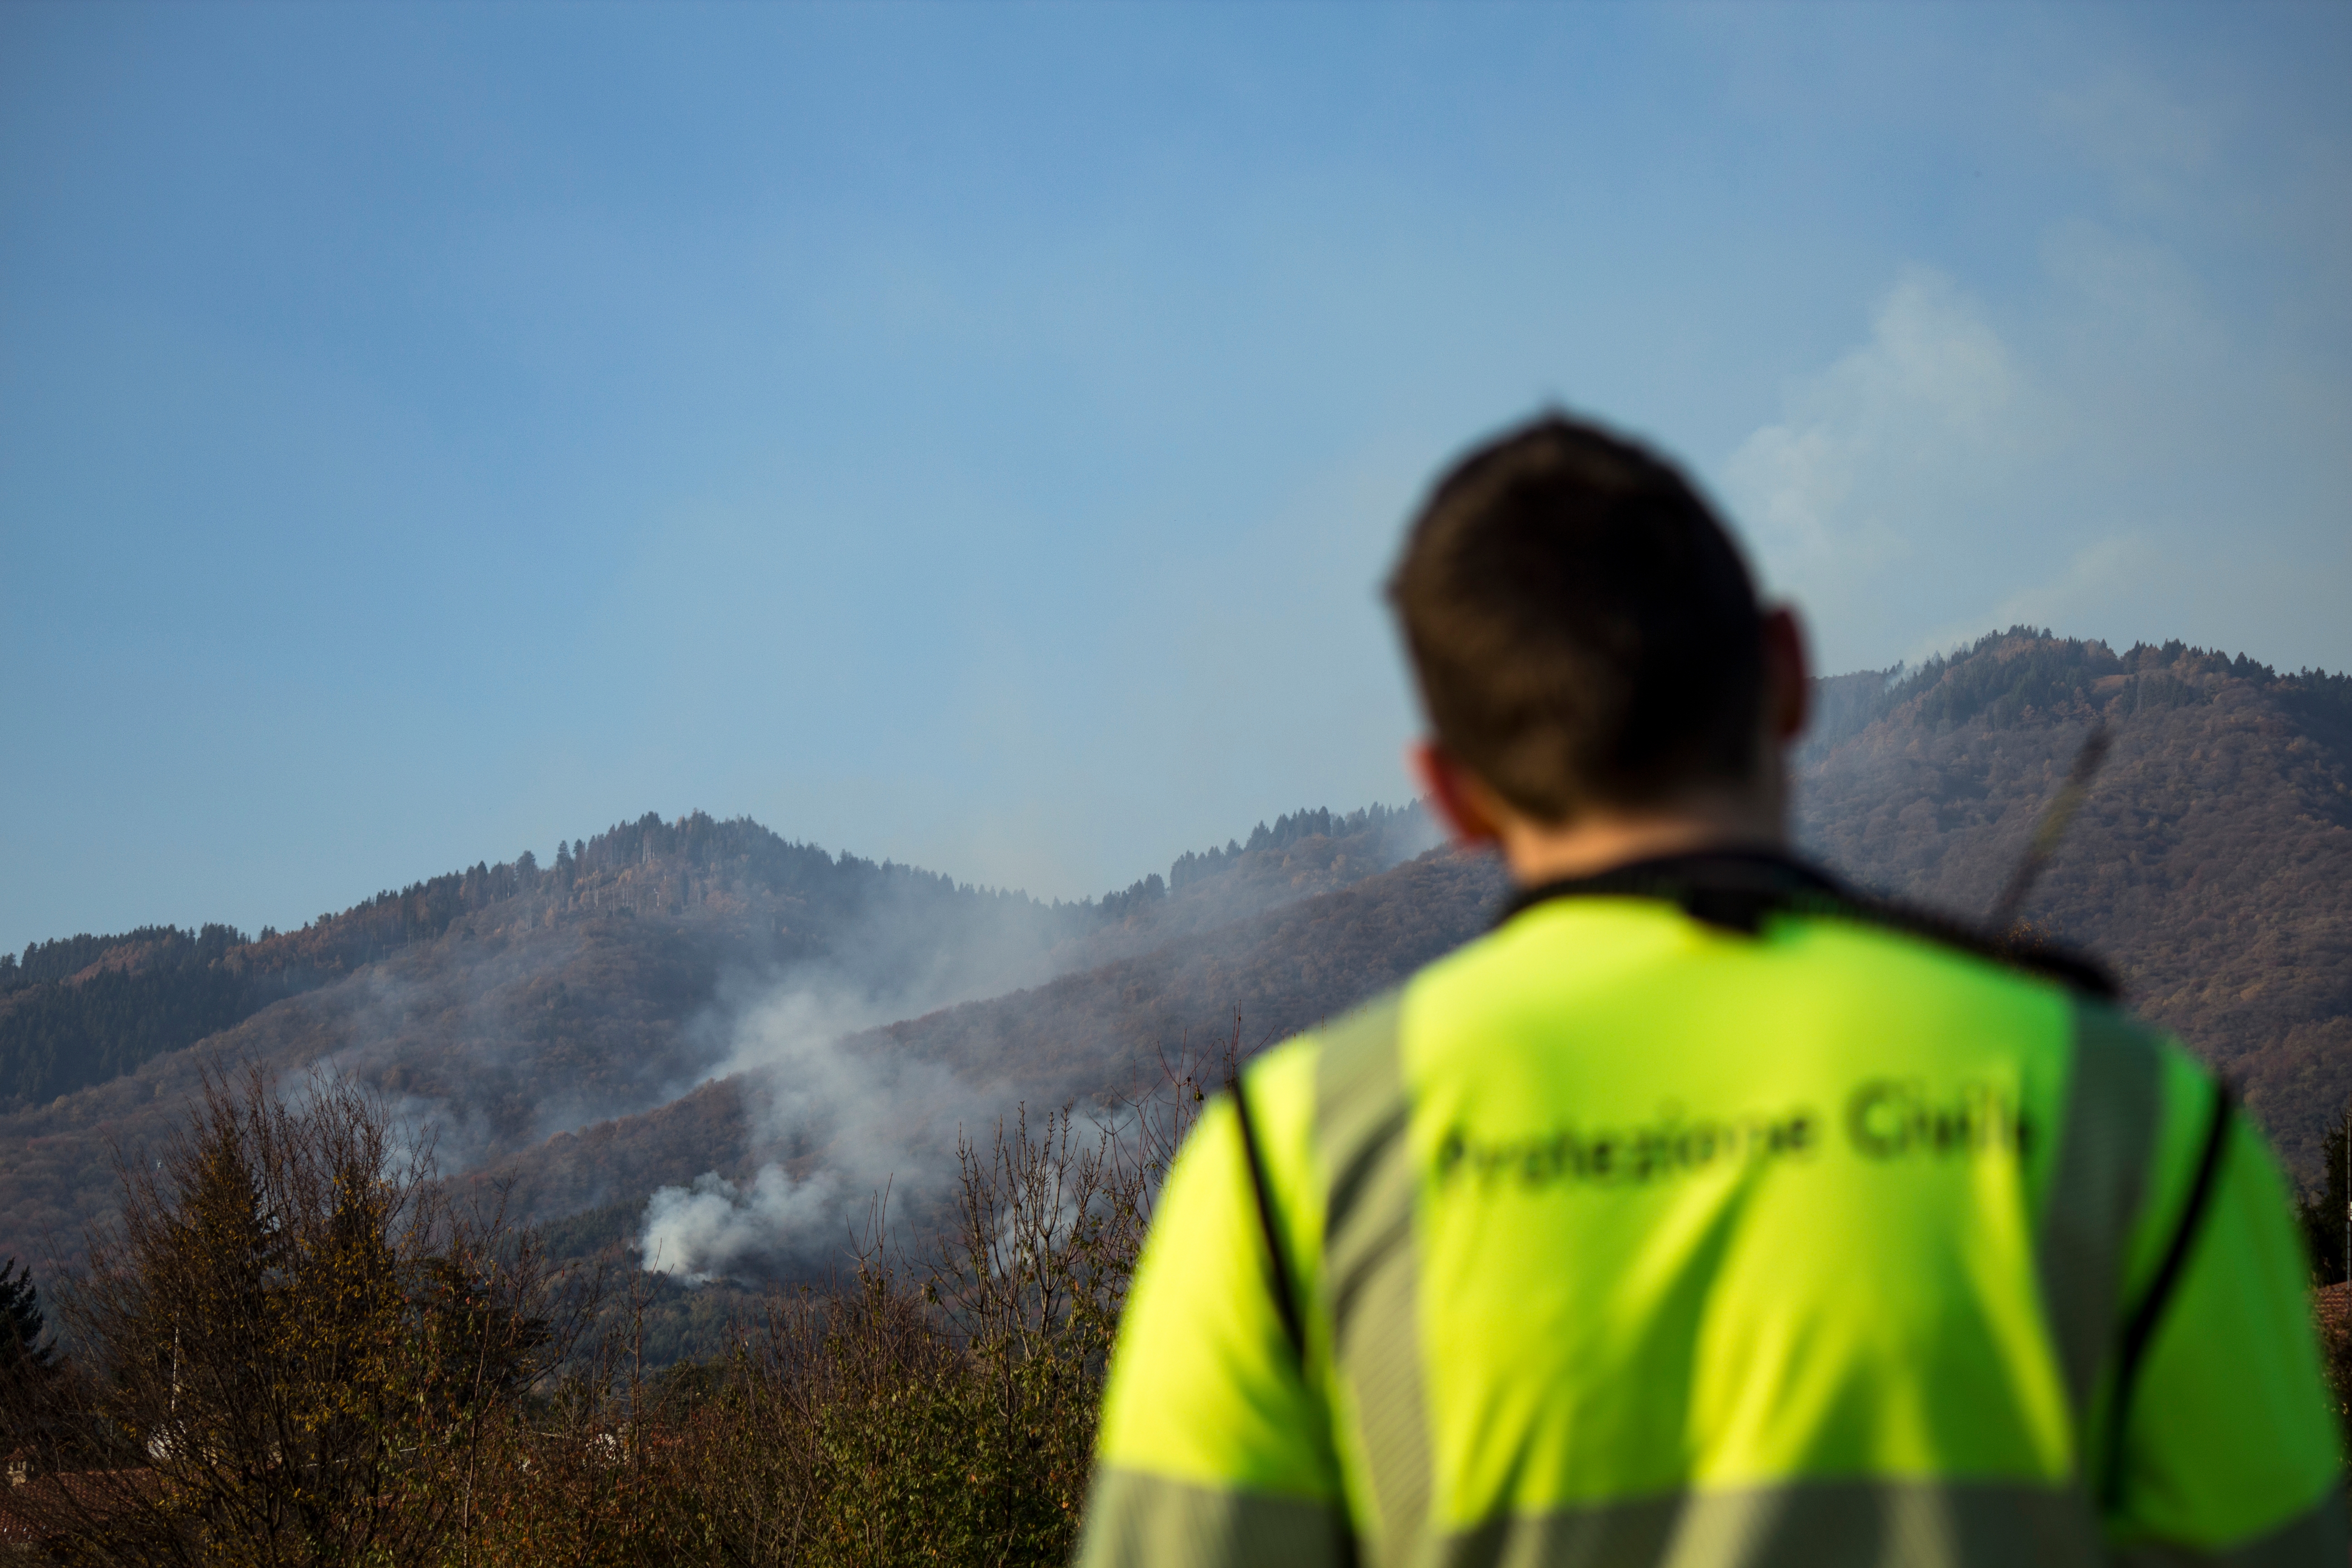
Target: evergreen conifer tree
column 20, row 1320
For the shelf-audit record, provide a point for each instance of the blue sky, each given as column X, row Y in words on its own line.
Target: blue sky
column 973, row 434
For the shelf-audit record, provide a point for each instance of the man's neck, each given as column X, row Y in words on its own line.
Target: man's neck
column 1595, row 842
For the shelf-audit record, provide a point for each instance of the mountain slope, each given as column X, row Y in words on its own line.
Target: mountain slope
column 504, row 1005
column 83, row 1009
column 563, row 1027
column 2210, row 864
column 2211, row 867
column 1079, row 1037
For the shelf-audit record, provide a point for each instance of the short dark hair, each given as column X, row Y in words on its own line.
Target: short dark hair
column 1582, row 627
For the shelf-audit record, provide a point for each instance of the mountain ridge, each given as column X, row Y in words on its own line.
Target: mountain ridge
column 2210, row 861
column 507, row 1003
column 595, row 1038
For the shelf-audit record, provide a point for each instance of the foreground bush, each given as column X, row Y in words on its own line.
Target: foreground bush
column 288, row 1350
column 291, row 1351
column 923, row 1413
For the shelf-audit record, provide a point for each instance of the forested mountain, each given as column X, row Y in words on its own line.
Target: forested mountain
column 506, row 1004
column 1085, row 1036
column 687, row 1002
column 84, row 1009
column 2210, row 864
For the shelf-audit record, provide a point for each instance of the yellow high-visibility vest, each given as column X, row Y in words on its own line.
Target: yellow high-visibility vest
column 1796, row 1235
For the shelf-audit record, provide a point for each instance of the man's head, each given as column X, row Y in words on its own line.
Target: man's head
column 1585, row 635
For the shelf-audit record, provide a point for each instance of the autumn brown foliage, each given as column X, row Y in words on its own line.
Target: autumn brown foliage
column 938, row 1408
column 288, row 1350
column 2211, row 862
column 519, row 1001
column 292, row 1350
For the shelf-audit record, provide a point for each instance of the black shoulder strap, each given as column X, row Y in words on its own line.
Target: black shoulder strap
column 1736, row 890
column 2151, row 1311
column 1285, row 1301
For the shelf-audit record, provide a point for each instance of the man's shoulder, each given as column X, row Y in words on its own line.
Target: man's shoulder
column 2024, row 957
column 1346, row 1054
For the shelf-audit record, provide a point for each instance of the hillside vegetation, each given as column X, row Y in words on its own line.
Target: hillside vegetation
column 690, row 1055
column 2210, row 864
column 1081, row 1037
column 677, row 1000
column 507, row 1003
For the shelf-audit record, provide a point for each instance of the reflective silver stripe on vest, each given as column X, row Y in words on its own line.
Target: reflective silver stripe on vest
column 1814, row 1524
column 1371, row 1271
column 2106, row 1143
column 1138, row 1521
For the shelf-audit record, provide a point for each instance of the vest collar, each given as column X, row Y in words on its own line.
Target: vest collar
column 1738, row 889
column 1734, row 889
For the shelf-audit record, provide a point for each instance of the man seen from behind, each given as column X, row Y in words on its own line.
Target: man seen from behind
column 1705, row 1212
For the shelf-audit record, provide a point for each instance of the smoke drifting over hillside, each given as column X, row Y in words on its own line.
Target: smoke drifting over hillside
column 498, row 1037
column 698, row 1232
column 852, row 1123
column 530, row 1019
column 848, row 1121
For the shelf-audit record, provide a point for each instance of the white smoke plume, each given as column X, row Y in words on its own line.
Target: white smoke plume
column 867, row 1120
column 843, row 1124
column 695, row 1232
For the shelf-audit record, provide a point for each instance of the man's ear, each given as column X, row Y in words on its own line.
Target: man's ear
column 1454, row 794
column 1788, row 692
